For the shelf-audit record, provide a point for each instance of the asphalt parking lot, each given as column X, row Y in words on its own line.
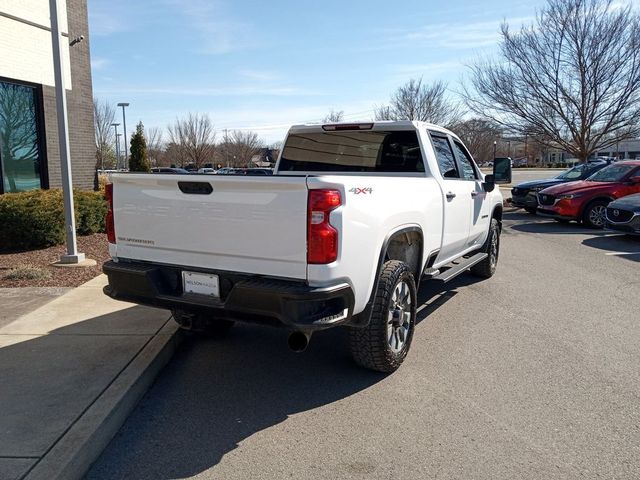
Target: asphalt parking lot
column 531, row 374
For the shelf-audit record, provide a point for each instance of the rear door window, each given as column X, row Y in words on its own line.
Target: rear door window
column 465, row 160
column 445, row 157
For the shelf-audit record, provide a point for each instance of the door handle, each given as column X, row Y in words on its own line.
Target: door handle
column 474, row 194
column 451, row 196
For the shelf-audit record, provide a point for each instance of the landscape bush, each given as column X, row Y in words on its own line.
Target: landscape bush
column 35, row 219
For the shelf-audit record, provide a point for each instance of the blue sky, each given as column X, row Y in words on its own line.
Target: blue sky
column 264, row 65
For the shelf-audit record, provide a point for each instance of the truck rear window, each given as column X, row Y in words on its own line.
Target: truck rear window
column 352, row 151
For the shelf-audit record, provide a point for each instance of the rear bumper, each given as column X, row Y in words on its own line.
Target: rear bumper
column 247, row 298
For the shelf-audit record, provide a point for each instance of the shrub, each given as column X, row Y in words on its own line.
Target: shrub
column 31, row 219
column 91, row 209
column 35, row 219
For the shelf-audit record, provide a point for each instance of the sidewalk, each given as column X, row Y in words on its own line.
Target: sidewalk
column 71, row 372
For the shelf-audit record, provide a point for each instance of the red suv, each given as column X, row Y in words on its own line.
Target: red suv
column 587, row 200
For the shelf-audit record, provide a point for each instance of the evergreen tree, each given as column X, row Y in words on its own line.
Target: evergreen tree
column 138, row 160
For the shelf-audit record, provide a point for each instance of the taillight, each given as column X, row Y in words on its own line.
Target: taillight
column 322, row 238
column 110, row 227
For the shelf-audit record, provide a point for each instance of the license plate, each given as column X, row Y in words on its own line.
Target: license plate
column 201, row 283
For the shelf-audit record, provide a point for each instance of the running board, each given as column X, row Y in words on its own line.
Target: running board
column 464, row 265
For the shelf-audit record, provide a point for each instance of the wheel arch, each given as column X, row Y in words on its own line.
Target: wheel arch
column 585, row 205
column 404, row 243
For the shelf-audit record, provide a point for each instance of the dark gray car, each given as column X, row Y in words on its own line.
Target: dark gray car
column 623, row 215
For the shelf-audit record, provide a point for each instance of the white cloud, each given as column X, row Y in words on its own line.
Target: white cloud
column 260, row 75
column 103, row 22
column 217, row 32
column 456, row 35
column 248, row 90
column 98, row 63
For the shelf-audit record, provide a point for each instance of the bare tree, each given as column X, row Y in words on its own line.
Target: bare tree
column 334, row 117
column 103, row 116
column 153, row 136
column 572, row 78
column 478, row 135
column 241, row 146
column 195, row 137
column 418, row 101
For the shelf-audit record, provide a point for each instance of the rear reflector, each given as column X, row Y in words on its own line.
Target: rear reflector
column 347, row 126
column 322, row 237
column 109, row 223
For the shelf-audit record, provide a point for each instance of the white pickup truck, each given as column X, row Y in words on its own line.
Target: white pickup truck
column 353, row 218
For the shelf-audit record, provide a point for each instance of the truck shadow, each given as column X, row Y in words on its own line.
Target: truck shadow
column 528, row 223
column 217, row 393
column 622, row 246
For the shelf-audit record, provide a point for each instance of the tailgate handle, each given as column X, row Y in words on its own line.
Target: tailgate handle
column 195, row 188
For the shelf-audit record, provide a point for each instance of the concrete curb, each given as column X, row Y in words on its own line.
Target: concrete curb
column 72, row 456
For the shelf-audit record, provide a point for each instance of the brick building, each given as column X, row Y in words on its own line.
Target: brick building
column 29, row 154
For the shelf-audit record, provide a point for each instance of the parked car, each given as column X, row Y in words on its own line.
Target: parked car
column 524, row 195
column 258, row 171
column 207, row 170
column 586, row 201
column 355, row 216
column 623, row 215
column 169, row 170
column 226, row 171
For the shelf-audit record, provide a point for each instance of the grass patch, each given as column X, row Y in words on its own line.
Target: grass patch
column 28, row 272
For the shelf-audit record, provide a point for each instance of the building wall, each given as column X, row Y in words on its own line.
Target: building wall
column 25, row 43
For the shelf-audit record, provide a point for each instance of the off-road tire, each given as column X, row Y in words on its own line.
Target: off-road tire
column 370, row 345
column 587, row 214
column 202, row 324
column 487, row 267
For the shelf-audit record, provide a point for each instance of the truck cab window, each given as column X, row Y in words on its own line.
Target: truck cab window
column 445, row 157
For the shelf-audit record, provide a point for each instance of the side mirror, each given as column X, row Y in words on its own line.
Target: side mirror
column 635, row 179
column 489, row 183
column 502, row 170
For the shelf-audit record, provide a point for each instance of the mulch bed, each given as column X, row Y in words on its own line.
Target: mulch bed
column 93, row 246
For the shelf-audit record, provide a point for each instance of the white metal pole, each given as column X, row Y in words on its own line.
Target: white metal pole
column 72, row 255
column 126, row 150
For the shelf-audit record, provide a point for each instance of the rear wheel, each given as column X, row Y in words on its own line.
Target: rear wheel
column 487, row 267
column 594, row 214
column 384, row 343
column 201, row 323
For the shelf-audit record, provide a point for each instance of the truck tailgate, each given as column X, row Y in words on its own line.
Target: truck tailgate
column 245, row 224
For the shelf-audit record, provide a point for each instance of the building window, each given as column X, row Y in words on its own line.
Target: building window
column 22, row 165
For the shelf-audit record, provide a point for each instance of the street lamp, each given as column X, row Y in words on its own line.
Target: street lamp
column 495, row 144
column 124, row 127
column 72, row 256
column 115, row 125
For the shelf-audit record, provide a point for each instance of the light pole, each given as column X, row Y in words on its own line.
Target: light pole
column 124, row 127
column 495, row 145
column 115, row 126
column 72, row 257
column 118, row 135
